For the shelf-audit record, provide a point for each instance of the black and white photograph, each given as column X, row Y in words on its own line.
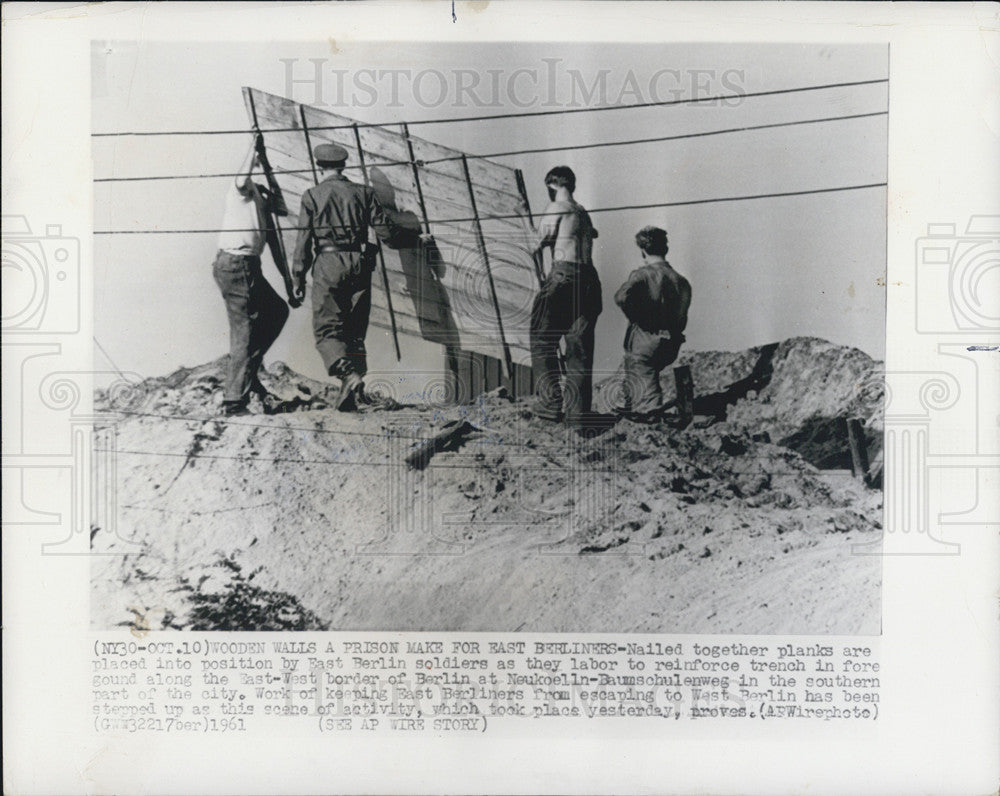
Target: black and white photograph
column 487, row 336
column 464, row 396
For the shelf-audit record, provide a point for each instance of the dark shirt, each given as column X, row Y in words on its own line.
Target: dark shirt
column 339, row 213
column 656, row 298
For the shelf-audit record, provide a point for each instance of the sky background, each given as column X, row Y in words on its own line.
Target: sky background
column 761, row 270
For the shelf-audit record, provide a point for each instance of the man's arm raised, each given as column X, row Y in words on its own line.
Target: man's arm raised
column 545, row 233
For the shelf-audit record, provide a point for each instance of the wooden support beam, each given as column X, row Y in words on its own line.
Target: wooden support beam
column 309, row 149
column 685, row 392
column 274, row 208
column 450, row 435
column 537, row 255
column 484, row 254
column 416, row 178
column 381, row 255
column 859, row 450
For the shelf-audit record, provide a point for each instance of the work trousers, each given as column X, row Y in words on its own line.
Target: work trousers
column 342, row 302
column 566, row 307
column 646, row 355
column 256, row 316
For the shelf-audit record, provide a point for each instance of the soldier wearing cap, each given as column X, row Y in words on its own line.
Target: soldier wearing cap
column 334, row 221
column 655, row 299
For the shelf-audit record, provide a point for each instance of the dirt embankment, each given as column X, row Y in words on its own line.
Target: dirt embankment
column 314, row 519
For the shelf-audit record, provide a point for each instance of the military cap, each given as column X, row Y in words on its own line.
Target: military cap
column 330, row 153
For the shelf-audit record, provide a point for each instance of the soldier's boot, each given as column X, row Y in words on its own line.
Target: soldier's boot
column 234, row 408
column 347, row 398
column 270, row 403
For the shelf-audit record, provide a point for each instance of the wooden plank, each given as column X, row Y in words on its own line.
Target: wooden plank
column 444, row 186
column 685, row 392
column 465, row 377
column 494, row 373
column 523, row 384
column 380, row 255
column 308, row 143
column 438, row 208
column 484, row 173
column 479, row 373
column 416, row 180
column 408, row 325
column 495, row 185
column 448, row 437
column 483, row 265
column 430, row 304
column 467, row 339
column 859, row 451
column 489, row 275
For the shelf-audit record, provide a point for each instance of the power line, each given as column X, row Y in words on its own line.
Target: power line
column 470, row 219
column 492, row 117
column 282, row 460
column 228, row 422
column 673, row 137
column 510, row 153
column 583, row 448
column 397, row 465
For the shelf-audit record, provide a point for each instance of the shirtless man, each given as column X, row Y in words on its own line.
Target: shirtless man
column 567, row 305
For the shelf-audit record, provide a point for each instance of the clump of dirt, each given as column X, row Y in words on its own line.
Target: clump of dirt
column 800, row 393
column 483, row 517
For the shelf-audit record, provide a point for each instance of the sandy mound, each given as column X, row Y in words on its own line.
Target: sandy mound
column 799, row 393
column 314, row 519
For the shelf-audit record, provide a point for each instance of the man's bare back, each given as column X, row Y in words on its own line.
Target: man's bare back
column 567, row 228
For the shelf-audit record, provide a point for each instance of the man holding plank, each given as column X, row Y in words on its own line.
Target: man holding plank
column 256, row 312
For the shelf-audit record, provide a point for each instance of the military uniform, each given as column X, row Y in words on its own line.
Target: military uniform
column 655, row 299
column 334, row 220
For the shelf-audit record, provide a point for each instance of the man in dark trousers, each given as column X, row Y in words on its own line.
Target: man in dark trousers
column 334, row 221
column 655, row 299
column 567, row 304
column 256, row 312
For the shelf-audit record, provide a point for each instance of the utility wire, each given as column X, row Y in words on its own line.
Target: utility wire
column 524, row 114
column 383, row 435
column 510, row 153
column 470, row 219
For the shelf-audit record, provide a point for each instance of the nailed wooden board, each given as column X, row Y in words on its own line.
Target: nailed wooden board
column 443, row 295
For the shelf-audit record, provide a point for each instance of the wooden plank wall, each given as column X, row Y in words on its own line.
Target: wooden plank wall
column 472, row 374
column 441, row 293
